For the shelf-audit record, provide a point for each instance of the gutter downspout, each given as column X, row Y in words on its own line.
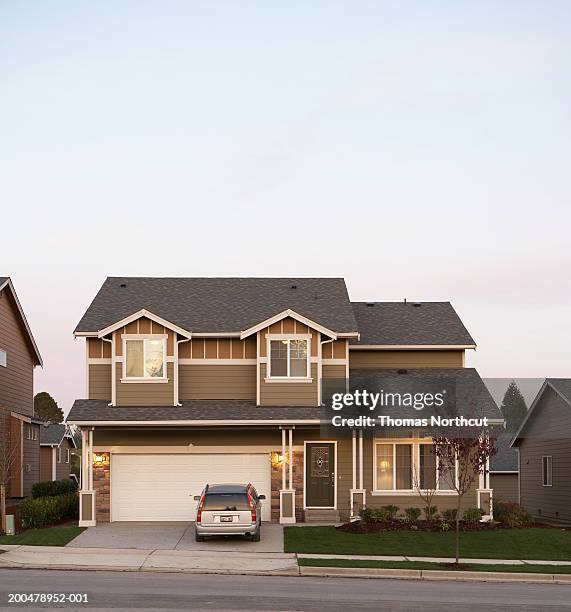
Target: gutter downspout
column 176, row 375
column 321, row 343
column 113, row 382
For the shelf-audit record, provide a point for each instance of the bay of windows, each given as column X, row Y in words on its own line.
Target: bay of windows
column 399, row 466
column 145, row 358
column 289, row 358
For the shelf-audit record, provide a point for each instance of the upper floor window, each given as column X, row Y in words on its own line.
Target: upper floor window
column 3, row 358
column 289, row 358
column 547, row 471
column 145, row 358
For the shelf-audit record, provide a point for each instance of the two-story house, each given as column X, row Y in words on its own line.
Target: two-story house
column 200, row 380
column 19, row 429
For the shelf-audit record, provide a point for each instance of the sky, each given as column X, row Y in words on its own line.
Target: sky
column 419, row 150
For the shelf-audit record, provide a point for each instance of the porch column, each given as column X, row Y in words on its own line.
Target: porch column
column 287, row 492
column 86, row 495
column 357, row 492
column 485, row 494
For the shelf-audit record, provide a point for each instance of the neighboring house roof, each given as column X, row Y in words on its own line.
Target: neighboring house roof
column 410, row 323
column 53, row 434
column 6, row 283
column 505, row 460
column 89, row 411
column 472, row 398
column 561, row 386
column 220, row 305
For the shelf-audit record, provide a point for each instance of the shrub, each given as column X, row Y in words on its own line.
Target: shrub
column 445, row 526
column 472, row 515
column 511, row 514
column 412, row 514
column 450, row 515
column 367, row 515
column 391, row 512
column 430, row 512
column 44, row 511
column 49, row 488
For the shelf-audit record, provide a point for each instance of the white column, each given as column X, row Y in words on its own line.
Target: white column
column 84, row 464
column 354, row 459
column 283, row 459
column 54, row 467
column 360, row 459
column 90, row 459
column 290, row 459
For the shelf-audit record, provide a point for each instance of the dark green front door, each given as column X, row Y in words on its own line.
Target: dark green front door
column 320, row 475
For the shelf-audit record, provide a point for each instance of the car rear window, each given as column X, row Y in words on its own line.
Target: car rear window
column 226, row 501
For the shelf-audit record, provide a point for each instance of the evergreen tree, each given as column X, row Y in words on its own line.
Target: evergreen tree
column 514, row 407
column 46, row 408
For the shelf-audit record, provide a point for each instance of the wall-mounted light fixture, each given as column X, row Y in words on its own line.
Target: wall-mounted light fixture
column 100, row 459
column 277, row 459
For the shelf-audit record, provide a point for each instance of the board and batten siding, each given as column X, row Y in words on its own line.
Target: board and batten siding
column 288, row 393
column 46, row 458
column 547, row 434
column 100, row 381
column 211, row 382
column 17, row 379
column 145, row 393
column 363, row 359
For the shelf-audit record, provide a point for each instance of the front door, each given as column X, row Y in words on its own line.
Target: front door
column 320, row 475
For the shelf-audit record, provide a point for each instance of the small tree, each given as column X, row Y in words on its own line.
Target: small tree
column 46, row 408
column 8, row 455
column 426, row 490
column 514, row 408
column 467, row 458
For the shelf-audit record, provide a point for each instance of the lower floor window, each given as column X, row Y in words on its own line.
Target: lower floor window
column 407, row 466
column 547, row 468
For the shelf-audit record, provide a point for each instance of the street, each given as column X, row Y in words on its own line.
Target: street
column 172, row 591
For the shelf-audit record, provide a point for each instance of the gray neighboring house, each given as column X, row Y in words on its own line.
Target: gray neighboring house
column 544, row 444
column 504, row 470
column 56, row 446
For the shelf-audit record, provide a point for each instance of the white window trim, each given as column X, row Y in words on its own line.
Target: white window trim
column 67, row 455
column 549, row 471
column 4, row 362
column 144, row 379
column 59, row 454
column 288, row 378
column 415, row 443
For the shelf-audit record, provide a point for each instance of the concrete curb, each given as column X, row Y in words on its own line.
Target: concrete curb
column 404, row 574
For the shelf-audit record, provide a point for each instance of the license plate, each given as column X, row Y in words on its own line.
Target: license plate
column 226, row 519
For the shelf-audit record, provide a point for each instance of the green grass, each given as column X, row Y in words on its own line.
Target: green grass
column 50, row 536
column 532, row 543
column 418, row 565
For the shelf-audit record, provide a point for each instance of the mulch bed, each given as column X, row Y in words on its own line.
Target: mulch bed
column 432, row 526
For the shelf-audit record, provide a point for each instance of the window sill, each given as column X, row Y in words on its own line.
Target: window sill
column 407, row 493
column 288, row 379
column 144, row 380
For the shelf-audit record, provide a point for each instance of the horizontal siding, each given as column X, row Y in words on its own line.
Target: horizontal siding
column 288, row 394
column 100, row 381
column 405, row 359
column 17, row 379
column 217, row 382
column 145, row 394
column 333, row 371
column 31, row 460
column 505, row 487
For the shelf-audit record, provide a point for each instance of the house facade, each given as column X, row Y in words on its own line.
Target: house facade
column 19, row 429
column 544, row 447
column 56, row 447
column 504, row 470
column 202, row 380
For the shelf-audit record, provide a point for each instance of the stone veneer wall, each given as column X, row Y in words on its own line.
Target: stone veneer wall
column 297, row 485
column 102, row 487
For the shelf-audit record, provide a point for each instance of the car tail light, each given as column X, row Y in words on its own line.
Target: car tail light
column 252, row 508
column 199, row 510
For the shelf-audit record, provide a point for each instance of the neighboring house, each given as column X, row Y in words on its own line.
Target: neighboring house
column 544, row 446
column 504, row 471
column 56, row 447
column 19, row 429
column 198, row 380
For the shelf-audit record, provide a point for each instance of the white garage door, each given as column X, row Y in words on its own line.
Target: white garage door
column 161, row 487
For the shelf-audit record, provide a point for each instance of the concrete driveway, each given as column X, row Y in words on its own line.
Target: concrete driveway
column 174, row 536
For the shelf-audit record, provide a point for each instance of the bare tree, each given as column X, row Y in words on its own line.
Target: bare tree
column 467, row 458
column 8, row 455
column 426, row 489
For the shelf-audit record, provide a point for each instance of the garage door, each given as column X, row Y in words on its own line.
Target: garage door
column 161, row 487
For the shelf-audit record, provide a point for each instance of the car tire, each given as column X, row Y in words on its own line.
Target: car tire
column 198, row 538
column 256, row 536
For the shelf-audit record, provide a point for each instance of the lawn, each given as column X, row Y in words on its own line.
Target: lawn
column 418, row 565
column 50, row 536
column 532, row 543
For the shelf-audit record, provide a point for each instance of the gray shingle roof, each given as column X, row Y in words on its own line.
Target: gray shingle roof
column 471, row 396
column 52, row 434
column 562, row 385
column 3, row 279
column 194, row 410
column 206, row 305
column 505, row 460
column 399, row 323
